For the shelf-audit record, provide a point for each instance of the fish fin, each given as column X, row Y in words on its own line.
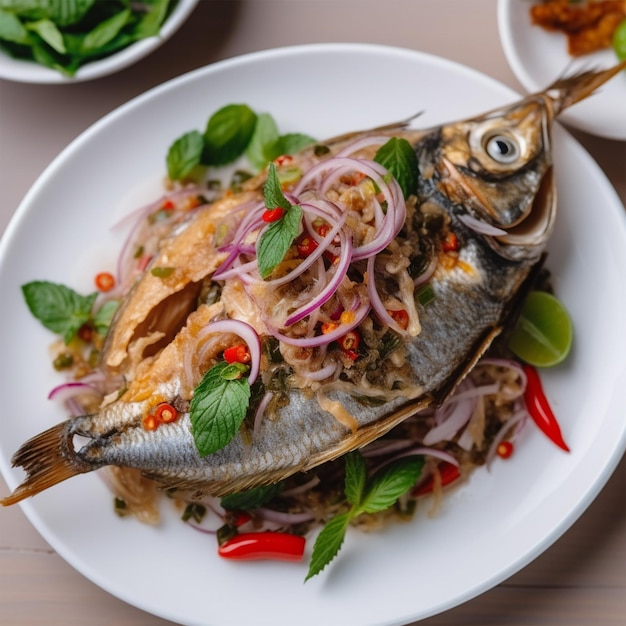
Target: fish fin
column 48, row 459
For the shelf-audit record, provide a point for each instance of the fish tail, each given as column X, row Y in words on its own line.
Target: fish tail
column 48, row 459
column 569, row 90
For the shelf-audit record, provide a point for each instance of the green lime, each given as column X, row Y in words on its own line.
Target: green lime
column 543, row 334
column 619, row 40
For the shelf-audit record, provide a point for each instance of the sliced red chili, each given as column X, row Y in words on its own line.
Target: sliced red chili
column 273, row 215
column 306, row 246
column 166, row 413
column 283, row 159
column 85, row 332
column 263, row 545
column 350, row 341
column 237, row 354
column 400, row 317
column 448, row 472
column 105, row 281
column 450, row 243
column 539, row 408
column 504, row 449
column 149, row 422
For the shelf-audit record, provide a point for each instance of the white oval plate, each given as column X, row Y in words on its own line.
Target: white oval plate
column 487, row 529
column 538, row 57
column 25, row 71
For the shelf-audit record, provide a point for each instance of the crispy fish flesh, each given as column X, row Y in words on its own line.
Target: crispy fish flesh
column 495, row 169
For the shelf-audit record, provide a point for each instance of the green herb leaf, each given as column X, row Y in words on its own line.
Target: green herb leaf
column 356, row 475
column 259, row 150
column 228, row 134
column 218, row 408
column 104, row 315
column 272, row 191
column 328, row 543
column 390, row 482
column 184, row 155
column 151, row 21
column 12, row 29
column 59, row 308
column 49, row 32
column 290, row 144
column 104, row 32
column 162, row 272
column 252, row 498
column 399, row 158
column 274, row 242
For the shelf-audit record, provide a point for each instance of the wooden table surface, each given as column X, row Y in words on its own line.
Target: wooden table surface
column 581, row 579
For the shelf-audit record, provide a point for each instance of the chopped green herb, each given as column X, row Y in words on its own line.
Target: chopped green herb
column 425, row 294
column 194, row 511
column 251, row 499
column 162, row 272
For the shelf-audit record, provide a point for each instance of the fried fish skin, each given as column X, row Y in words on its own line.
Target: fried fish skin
column 495, row 169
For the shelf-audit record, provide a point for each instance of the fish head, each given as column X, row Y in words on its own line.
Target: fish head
column 497, row 167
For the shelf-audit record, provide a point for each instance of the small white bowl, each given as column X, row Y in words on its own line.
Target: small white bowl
column 26, row 71
column 538, row 57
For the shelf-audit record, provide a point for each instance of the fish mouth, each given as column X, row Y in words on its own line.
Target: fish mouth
column 536, row 226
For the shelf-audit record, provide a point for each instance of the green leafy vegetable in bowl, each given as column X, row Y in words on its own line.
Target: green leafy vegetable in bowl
column 65, row 34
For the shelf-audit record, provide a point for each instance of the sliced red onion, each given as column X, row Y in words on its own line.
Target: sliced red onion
column 480, row 227
column 68, row 390
column 377, row 304
column 322, row 373
column 448, row 428
column 300, row 489
column 260, row 411
column 247, row 333
column 280, row 517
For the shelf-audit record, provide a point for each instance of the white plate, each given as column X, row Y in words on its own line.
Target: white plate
column 24, row 71
column 486, row 530
column 538, row 57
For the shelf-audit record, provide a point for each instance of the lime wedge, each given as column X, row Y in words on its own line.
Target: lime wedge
column 543, row 334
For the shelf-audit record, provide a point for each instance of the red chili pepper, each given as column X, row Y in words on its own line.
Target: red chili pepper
column 283, row 159
column 144, row 261
column 237, row 518
column 104, row 281
column 273, row 215
column 539, row 408
column 306, row 246
column 504, row 449
column 350, row 341
column 166, row 413
column 322, row 227
column 237, row 354
column 149, row 422
column 450, row 243
column 85, row 332
column 263, row 545
column 400, row 317
column 448, row 472
column 168, row 205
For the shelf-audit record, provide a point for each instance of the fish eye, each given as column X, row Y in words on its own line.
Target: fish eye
column 502, row 148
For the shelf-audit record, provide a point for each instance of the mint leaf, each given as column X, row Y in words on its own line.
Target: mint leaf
column 272, row 191
column 228, row 133
column 104, row 316
column 184, row 155
column 150, row 23
column 328, row 543
column 399, row 158
column 66, row 12
column 59, row 308
column 252, row 498
column 389, row 483
column 259, row 151
column 274, row 242
column 356, row 475
column 290, row 144
column 218, row 408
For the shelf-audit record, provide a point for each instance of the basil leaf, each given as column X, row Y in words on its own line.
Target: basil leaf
column 390, row 482
column 252, row 498
column 59, row 308
column 399, row 158
column 66, row 12
column 228, row 133
column 274, row 242
column 259, row 151
column 356, row 475
column 49, row 32
column 184, row 155
column 218, row 408
column 150, row 23
column 105, row 32
column 328, row 543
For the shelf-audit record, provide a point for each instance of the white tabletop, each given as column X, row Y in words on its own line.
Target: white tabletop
column 580, row 580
